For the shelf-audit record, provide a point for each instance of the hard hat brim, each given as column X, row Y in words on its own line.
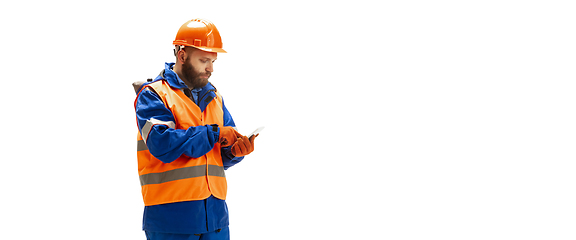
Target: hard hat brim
column 209, row 49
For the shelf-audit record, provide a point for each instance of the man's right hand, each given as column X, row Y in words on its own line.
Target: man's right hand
column 243, row 146
column 228, row 136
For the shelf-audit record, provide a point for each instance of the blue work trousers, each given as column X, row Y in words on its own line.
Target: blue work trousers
column 222, row 234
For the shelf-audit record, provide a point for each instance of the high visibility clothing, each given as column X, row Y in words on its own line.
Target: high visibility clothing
column 201, row 34
column 186, row 178
column 168, row 144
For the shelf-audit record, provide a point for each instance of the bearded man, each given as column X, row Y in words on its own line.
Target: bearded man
column 186, row 140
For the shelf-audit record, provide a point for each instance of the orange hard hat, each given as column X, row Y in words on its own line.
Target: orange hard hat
column 201, row 34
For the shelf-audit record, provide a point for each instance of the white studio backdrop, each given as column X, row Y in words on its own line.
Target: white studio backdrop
column 384, row 120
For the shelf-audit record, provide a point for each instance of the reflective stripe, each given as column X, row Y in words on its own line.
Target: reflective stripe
column 181, row 173
column 172, row 175
column 216, row 171
column 150, row 123
column 141, row 146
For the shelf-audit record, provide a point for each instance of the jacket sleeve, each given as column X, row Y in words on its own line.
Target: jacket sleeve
column 228, row 160
column 157, row 126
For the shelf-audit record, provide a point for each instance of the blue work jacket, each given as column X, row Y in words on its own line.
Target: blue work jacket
column 189, row 217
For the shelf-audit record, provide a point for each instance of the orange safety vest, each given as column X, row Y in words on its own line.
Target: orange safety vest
column 186, row 178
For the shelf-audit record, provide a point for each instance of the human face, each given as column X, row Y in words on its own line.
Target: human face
column 198, row 67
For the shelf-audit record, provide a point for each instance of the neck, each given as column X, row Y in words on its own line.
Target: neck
column 178, row 70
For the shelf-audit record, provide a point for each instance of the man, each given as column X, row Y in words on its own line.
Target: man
column 186, row 140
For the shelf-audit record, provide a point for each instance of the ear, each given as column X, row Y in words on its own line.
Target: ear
column 181, row 55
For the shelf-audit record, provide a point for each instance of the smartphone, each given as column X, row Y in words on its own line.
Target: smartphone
column 258, row 130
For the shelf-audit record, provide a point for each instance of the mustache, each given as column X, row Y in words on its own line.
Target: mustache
column 207, row 74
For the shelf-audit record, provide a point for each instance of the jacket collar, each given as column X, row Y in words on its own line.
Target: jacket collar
column 171, row 77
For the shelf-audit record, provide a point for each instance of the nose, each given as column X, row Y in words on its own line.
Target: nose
column 210, row 67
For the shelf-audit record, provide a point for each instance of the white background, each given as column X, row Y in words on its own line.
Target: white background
column 384, row 120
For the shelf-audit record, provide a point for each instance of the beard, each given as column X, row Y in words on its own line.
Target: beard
column 193, row 78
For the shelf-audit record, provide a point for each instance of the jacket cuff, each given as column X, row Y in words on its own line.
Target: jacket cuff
column 213, row 133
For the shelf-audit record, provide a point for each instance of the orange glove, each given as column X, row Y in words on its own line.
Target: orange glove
column 243, row 146
column 228, row 136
